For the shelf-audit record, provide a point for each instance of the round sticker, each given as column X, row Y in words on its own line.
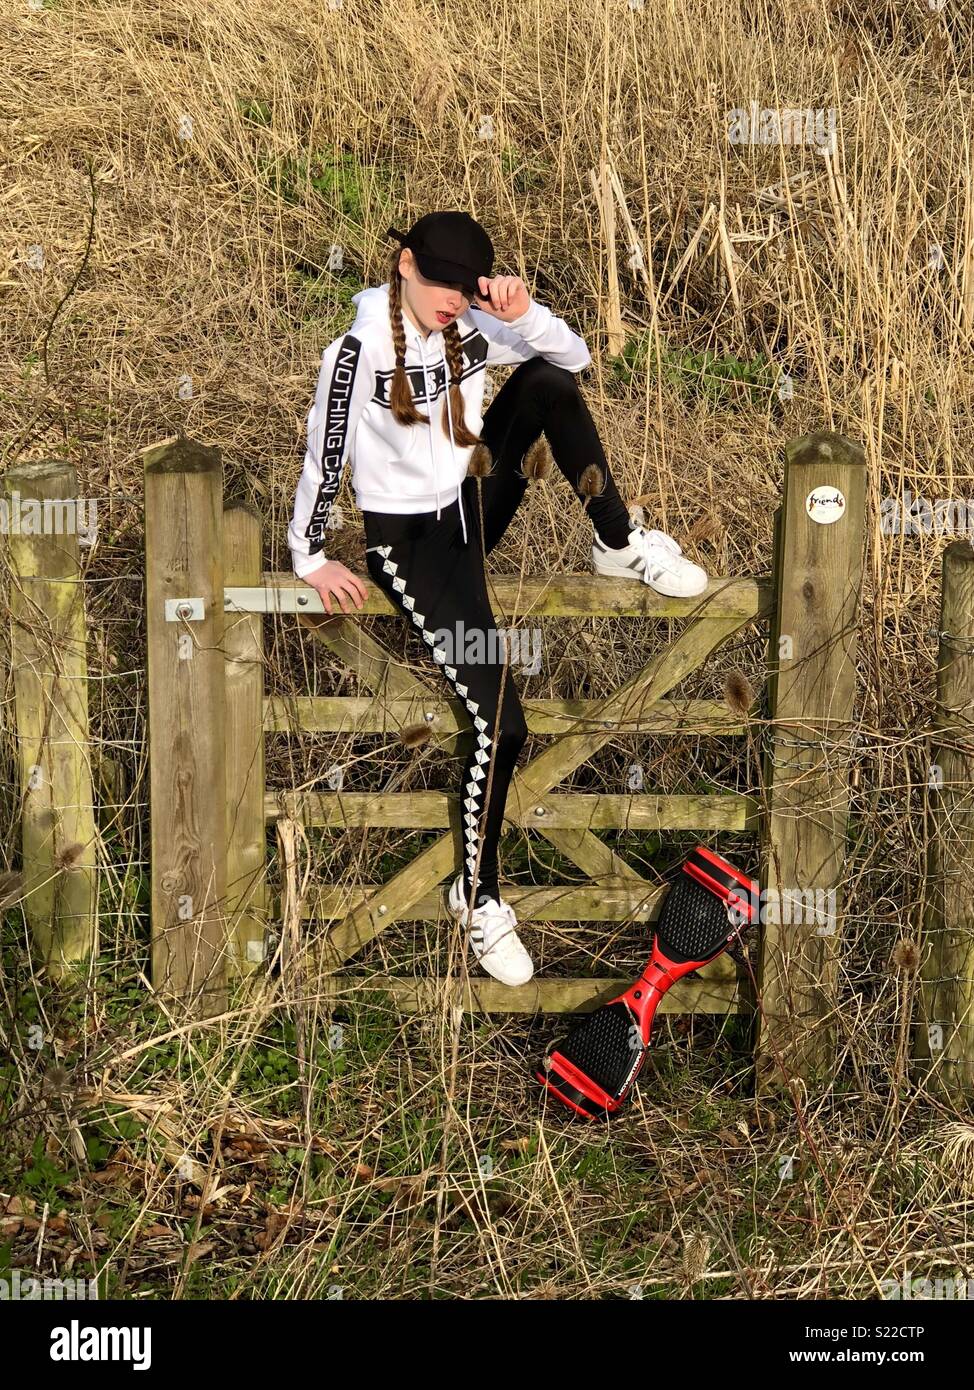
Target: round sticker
column 825, row 504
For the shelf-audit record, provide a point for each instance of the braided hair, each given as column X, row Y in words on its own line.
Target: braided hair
column 400, row 395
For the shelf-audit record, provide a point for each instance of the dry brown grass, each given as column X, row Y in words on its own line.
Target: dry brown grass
column 199, row 268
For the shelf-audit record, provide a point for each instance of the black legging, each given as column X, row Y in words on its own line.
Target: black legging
column 438, row 582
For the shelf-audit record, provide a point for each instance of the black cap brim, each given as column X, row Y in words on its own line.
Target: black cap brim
column 452, row 274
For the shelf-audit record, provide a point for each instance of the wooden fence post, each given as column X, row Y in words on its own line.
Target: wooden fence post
column 187, row 751
column 47, row 657
column 812, row 664
column 944, row 1039
column 246, row 832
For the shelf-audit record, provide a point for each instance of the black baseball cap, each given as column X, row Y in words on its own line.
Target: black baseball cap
column 449, row 246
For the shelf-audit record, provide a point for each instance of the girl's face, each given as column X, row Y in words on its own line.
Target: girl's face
column 431, row 304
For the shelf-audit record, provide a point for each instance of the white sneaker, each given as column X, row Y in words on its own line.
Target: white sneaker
column 654, row 557
column 492, row 937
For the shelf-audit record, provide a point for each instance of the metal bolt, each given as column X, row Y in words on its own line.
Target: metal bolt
column 429, row 716
column 185, row 610
column 302, row 600
column 539, row 810
column 382, row 909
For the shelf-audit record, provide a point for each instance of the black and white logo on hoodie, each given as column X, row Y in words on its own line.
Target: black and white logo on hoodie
column 474, row 348
column 335, row 435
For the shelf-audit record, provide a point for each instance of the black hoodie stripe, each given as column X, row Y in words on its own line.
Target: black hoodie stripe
column 335, row 438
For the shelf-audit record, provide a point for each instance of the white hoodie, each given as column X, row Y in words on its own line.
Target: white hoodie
column 405, row 468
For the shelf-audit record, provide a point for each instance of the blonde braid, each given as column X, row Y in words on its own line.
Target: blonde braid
column 400, row 395
column 454, row 358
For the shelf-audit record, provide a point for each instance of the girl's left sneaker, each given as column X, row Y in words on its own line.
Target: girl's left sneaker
column 653, row 557
column 492, row 938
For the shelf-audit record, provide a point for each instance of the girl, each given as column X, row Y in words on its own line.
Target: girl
column 424, row 340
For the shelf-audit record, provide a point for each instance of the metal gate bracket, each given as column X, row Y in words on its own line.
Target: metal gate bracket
column 261, row 599
column 184, row 610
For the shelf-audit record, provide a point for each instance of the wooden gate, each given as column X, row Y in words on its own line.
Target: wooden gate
column 578, row 729
column 209, row 713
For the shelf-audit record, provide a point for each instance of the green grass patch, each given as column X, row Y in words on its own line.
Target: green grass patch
column 717, row 381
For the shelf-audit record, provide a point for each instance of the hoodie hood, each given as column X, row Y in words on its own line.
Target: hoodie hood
column 371, row 307
column 370, row 304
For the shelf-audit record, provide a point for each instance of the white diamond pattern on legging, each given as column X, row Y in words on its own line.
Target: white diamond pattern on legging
column 472, row 807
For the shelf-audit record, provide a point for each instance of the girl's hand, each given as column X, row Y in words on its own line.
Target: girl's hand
column 334, row 580
column 503, row 297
